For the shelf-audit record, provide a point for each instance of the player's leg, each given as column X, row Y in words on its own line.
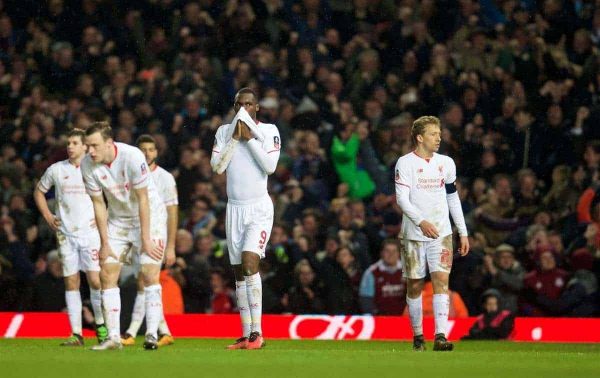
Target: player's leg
column 234, row 229
column 153, row 300
column 241, row 295
column 259, row 219
column 413, row 266
column 139, row 305
column 111, row 295
column 439, row 258
column 74, row 309
column 164, row 333
column 93, row 278
column 88, row 254
column 70, row 263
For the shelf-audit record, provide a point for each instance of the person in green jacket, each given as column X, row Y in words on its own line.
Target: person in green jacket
column 344, row 152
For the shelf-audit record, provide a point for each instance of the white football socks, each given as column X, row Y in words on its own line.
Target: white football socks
column 415, row 313
column 73, row 299
column 111, row 299
column 96, row 300
column 254, row 290
column 163, row 328
column 241, row 295
column 137, row 316
column 154, row 310
column 441, row 307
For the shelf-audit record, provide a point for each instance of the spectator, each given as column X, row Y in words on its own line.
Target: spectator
column 48, row 287
column 505, row 274
column 547, row 282
column 382, row 288
column 494, row 323
column 223, row 298
column 305, row 297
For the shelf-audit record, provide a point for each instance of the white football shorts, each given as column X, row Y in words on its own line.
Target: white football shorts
column 418, row 255
column 248, row 226
column 79, row 253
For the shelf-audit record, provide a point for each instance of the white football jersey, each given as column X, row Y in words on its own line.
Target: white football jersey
column 117, row 181
column 165, row 183
column 426, row 180
column 73, row 206
column 246, row 180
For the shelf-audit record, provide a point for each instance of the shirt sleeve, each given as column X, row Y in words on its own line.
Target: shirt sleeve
column 138, row 170
column 267, row 153
column 170, row 193
column 453, row 200
column 450, row 171
column 48, row 179
column 92, row 186
column 218, row 146
column 403, row 182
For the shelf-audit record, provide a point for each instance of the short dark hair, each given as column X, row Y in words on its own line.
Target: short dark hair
column 145, row 138
column 101, row 127
column 247, row 90
column 76, row 133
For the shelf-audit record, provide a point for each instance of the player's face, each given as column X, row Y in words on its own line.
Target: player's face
column 75, row 147
column 150, row 152
column 431, row 138
column 248, row 101
column 98, row 148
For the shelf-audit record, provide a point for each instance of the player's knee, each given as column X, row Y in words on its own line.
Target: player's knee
column 72, row 282
column 150, row 274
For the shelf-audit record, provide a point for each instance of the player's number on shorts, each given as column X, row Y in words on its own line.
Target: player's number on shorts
column 263, row 239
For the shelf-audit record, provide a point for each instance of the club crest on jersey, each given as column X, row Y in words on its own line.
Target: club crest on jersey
column 276, row 143
column 441, row 168
column 143, row 168
column 65, row 178
column 104, row 177
column 420, row 170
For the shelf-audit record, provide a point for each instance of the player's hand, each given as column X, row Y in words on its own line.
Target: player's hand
column 464, row 246
column 152, row 250
column 106, row 252
column 53, row 222
column 429, row 230
column 170, row 256
column 246, row 133
column 237, row 132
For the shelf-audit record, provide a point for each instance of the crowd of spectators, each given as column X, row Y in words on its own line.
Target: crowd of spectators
column 515, row 83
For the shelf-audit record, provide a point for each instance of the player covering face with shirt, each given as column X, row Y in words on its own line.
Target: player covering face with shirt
column 426, row 192
column 249, row 217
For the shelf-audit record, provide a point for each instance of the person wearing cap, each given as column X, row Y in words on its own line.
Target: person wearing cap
column 505, row 274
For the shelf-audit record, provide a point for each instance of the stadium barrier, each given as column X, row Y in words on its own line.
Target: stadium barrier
column 320, row 327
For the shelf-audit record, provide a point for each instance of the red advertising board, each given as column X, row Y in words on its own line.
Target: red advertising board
column 322, row 327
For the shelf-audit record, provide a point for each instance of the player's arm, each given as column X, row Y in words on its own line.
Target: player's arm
column 39, row 196
column 222, row 152
column 456, row 208
column 172, row 222
column 266, row 154
column 366, row 293
column 402, row 182
column 148, row 246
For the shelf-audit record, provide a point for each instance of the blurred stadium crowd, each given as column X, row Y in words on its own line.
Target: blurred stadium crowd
column 515, row 83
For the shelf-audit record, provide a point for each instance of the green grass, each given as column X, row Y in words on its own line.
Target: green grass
column 207, row 358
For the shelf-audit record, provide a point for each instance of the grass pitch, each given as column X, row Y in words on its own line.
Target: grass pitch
column 208, row 358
